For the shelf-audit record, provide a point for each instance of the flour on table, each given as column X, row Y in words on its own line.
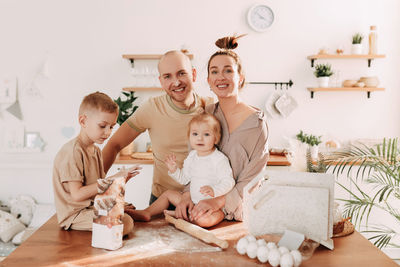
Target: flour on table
column 161, row 239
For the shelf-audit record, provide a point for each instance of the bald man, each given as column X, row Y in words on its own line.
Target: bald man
column 166, row 118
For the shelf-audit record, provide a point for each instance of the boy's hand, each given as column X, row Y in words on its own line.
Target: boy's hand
column 207, row 191
column 170, row 161
column 127, row 173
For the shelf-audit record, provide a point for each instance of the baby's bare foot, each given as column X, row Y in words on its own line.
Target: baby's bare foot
column 139, row 215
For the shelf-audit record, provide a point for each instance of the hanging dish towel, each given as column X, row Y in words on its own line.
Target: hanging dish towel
column 285, row 104
column 270, row 105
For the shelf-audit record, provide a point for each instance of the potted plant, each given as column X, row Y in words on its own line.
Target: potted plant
column 126, row 109
column 312, row 141
column 323, row 72
column 379, row 167
column 356, row 47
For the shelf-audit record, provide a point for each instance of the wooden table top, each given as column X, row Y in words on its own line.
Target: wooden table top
column 273, row 160
column 50, row 246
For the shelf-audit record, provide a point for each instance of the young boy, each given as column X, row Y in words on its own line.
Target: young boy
column 205, row 168
column 78, row 173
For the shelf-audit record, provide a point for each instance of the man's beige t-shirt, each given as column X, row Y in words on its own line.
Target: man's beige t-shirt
column 74, row 162
column 168, row 129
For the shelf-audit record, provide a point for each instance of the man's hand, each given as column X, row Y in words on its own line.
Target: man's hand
column 170, row 161
column 207, row 191
column 184, row 207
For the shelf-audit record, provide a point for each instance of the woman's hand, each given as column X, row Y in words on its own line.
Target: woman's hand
column 207, row 207
column 184, row 207
column 170, row 161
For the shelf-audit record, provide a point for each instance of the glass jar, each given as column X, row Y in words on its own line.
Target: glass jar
column 372, row 38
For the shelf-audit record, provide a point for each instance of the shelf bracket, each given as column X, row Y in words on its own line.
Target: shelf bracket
column 132, row 62
column 312, row 94
column 312, row 63
column 369, row 62
column 368, row 94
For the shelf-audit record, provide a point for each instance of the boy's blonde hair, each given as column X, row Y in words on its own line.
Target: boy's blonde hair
column 98, row 101
column 211, row 121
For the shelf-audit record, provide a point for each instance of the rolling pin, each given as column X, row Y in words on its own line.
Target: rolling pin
column 196, row 231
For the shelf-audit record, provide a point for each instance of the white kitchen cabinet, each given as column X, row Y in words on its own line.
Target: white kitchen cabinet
column 138, row 189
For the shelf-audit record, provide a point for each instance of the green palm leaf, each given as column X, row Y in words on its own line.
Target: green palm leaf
column 378, row 166
column 382, row 236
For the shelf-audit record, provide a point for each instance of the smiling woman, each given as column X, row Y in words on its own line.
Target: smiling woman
column 244, row 132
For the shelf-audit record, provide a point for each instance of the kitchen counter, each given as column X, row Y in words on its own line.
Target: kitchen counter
column 274, row 160
column 51, row 246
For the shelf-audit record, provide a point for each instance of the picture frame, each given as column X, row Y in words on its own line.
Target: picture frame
column 33, row 140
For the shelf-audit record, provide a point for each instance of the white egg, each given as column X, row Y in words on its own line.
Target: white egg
column 274, row 257
column 261, row 242
column 283, row 250
column 286, row 260
column 251, row 238
column 252, row 250
column 262, row 254
column 271, row 245
column 296, row 257
column 241, row 245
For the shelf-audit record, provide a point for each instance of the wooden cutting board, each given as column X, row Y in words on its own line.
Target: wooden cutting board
column 142, row 155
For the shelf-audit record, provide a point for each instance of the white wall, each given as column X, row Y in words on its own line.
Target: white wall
column 83, row 42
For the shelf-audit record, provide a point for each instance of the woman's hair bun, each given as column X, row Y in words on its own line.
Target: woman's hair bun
column 228, row 42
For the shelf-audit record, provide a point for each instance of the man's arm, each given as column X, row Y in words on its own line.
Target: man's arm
column 122, row 137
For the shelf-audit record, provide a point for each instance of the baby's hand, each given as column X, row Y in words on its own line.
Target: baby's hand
column 170, row 161
column 207, row 191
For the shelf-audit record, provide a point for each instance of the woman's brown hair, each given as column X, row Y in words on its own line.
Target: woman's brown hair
column 227, row 44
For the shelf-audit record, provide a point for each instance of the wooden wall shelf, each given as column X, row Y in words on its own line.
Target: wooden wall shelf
column 343, row 56
column 147, row 56
column 328, row 89
column 138, row 89
column 133, row 57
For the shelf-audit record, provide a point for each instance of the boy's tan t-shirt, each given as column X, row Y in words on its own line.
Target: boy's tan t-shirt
column 168, row 129
column 74, row 163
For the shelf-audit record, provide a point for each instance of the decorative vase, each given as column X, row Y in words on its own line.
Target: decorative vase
column 314, row 151
column 356, row 49
column 298, row 159
column 323, row 81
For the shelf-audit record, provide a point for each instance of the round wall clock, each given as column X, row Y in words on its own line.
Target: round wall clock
column 260, row 17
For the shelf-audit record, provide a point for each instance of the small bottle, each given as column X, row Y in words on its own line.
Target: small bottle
column 372, row 41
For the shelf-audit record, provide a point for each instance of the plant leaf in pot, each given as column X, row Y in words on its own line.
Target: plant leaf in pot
column 126, row 109
column 356, row 47
column 323, row 72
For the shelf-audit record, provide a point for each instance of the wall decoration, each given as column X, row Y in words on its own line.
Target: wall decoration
column 67, row 132
column 33, row 89
column 34, row 141
column 15, row 109
column 260, row 17
column 8, row 87
column 14, row 137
